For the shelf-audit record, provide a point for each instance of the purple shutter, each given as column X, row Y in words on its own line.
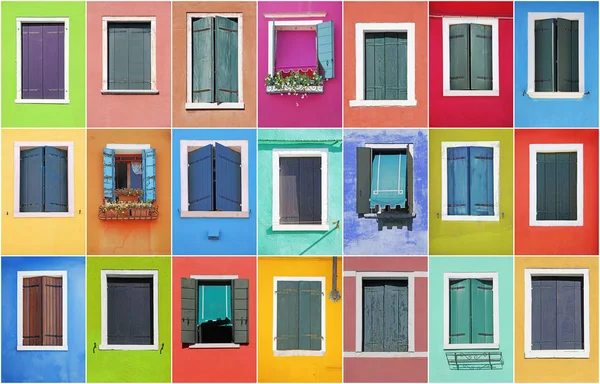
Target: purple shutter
column 42, row 61
column 543, row 313
column 54, row 61
column 32, row 64
column 569, row 322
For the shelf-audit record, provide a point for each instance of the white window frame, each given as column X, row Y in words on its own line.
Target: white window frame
column 534, row 149
column 128, row 149
column 286, row 25
column 299, row 352
column 493, row 276
column 40, row 20
column 64, row 145
column 189, row 104
column 186, row 146
column 129, row 19
column 301, row 152
column 105, row 274
column 493, row 22
column 27, row 274
column 495, row 145
column 552, row 354
column 531, row 18
column 360, row 30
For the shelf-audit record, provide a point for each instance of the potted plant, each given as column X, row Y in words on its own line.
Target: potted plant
column 128, row 194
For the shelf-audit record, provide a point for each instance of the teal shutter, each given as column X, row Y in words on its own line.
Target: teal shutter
column 31, row 187
column 149, row 174
column 460, row 311
column 385, row 66
column 370, row 64
column 482, row 311
column 459, row 57
column 402, row 66
column 240, row 311
column 203, row 60
column 373, row 317
column 118, row 56
column 310, row 315
column 481, row 181
column 287, row 315
column 56, row 194
column 395, row 316
column 129, row 59
column 325, row 52
column 458, row 181
column 226, row 60
column 544, row 56
column 109, row 172
column 189, row 310
column 567, row 61
column 481, row 57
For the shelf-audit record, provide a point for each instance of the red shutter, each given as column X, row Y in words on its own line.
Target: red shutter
column 32, row 311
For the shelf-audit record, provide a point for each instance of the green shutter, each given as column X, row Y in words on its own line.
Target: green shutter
column 226, row 60
column 574, row 56
column 459, row 57
column 189, row 310
column 544, row 56
column 409, row 181
column 310, row 316
column 118, row 48
column 567, row 62
column 460, row 309
column 482, row 311
column 287, row 315
column 325, row 51
column 395, row 82
column 402, row 67
column 139, row 65
column 202, row 60
column 557, row 186
column 370, row 66
column 481, row 57
column 240, row 311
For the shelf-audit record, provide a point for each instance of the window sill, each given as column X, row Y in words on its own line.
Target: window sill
column 383, row 103
column 470, row 218
column 219, row 214
column 556, row 223
column 311, row 89
column 48, row 215
column 214, row 346
column 451, row 347
column 359, row 354
column 558, row 354
column 42, row 101
column 129, row 92
column 105, row 347
column 42, row 348
column 299, row 353
column 193, row 106
column 448, row 92
column 555, row 95
column 301, row 227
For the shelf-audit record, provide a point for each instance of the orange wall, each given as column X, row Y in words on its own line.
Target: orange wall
column 129, row 237
column 385, row 12
column 214, row 118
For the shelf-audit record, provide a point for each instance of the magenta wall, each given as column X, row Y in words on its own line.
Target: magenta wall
column 316, row 110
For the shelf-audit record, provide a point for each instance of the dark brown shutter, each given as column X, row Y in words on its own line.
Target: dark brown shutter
column 32, row 311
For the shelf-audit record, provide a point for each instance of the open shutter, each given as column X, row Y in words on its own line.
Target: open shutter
column 409, row 181
column 240, row 311
column 228, row 179
column 459, row 57
column 109, row 172
column 481, row 180
column 481, row 57
column 200, row 179
column 569, row 322
column 53, row 61
column 32, row 311
column 32, row 66
column 458, row 180
column 31, row 184
column 149, row 174
column 118, row 56
column 226, row 60
column 56, row 180
column 189, row 310
column 565, row 44
column 325, row 50
column 203, row 55
column 139, row 65
column 395, row 316
column 543, row 313
column 482, row 311
column 287, row 315
column 52, row 305
column 363, row 179
column 566, row 186
column 544, row 56
column 460, row 311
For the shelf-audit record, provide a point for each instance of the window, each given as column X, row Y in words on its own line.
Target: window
column 299, row 316
column 128, row 171
column 42, row 310
column 471, row 319
column 556, row 184
column 214, row 61
column 470, row 181
column 42, row 60
column 557, row 313
column 129, row 55
column 214, row 178
column 555, row 55
column 214, row 311
column 385, row 65
column 129, row 310
column 44, row 179
column 130, row 166
column 300, row 189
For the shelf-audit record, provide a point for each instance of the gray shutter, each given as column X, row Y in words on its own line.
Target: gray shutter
column 287, row 315
column 459, row 57
column 310, row 315
column 189, row 310
column 564, row 51
column 240, row 310
column 481, row 57
column 544, row 56
column 363, row 179
column 203, row 60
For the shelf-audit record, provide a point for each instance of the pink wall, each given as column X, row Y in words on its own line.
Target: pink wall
column 316, row 110
column 128, row 110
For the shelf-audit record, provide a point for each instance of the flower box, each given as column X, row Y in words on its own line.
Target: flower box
column 126, row 198
column 297, row 91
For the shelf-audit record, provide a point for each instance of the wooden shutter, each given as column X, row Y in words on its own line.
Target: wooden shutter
column 130, row 313
column 32, row 83
column 289, row 175
column 240, row 311
column 325, row 51
column 370, row 66
column 481, row 57
column 56, row 180
column 567, row 61
column 53, row 53
column 402, row 67
column 228, row 179
column 385, row 316
column 109, row 172
column 459, row 57
column 373, row 316
column 203, row 55
column 118, row 56
column 543, row 313
column 129, row 58
column 287, row 315
column 460, row 311
column 310, row 315
column 409, row 181
column 482, row 311
column 200, row 179
column 385, row 66
column 226, row 60
column 569, row 313
column 52, row 310
column 556, row 186
column 32, row 311
column 458, row 180
column 481, row 181
column 575, row 56
column 544, row 56
column 149, row 174
column 189, row 310
column 31, row 187
column 363, row 179
column 300, row 190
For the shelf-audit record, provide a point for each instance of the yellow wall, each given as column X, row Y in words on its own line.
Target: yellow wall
column 327, row 368
column 42, row 236
column 555, row 370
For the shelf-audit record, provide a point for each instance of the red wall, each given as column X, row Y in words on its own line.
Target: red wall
column 556, row 240
column 458, row 111
column 214, row 365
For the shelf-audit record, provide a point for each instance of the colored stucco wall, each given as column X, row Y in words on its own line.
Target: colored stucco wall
column 361, row 236
column 299, row 242
column 228, row 365
column 214, row 118
column 582, row 240
column 53, row 236
column 555, row 370
column 385, row 12
column 129, row 237
column 153, row 366
column 471, row 111
column 315, row 110
column 44, row 115
column 474, row 237
column 385, row 369
column 557, row 112
column 129, row 110
column 301, row 369
column 236, row 236
column 44, row 366
column 439, row 370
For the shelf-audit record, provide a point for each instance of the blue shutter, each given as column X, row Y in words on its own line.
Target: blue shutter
column 543, row 313
column 458, row 181
column 109, row 172
column 55, row 180
column 200, row 179
column 325, row 48
column 31, row 186
column 228, row 179
column 481, row 180
column 569, row 322
column 149, row 174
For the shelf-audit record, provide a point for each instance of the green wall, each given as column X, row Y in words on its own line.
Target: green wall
column 470, row 238
column 128, row 366
column 44, row 115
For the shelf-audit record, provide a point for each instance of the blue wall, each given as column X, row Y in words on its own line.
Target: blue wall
column 361, row 236
column 237, row 236
column 44, row 366
column 557, row 112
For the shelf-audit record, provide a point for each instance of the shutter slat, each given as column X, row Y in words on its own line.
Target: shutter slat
column 460, row 311
column 544, row 56
column 56, row 180
column 149, row 174
column 31, row 184
column 481, row 57
column 325, row 50
column 316, row 295
column 118, row 56
column 139, row 65
column 564, row 53
column 544, row 313
column 363, row 179
column 189, row 310
column 240, row 297
column 203, row 60
column 481, row 181
column 52, row 311
column 228, row 179
column 287, row 315
column 395, row 315
column 200, row 179
column 459, row 57
column 458, row 181
column 108, row 168
column 226, row 60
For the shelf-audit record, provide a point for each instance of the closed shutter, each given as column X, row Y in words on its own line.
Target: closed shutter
column 129, row 311
column 544, row 56
column 460, row 311
column 129, row 65
column 458, row 180
column 325, row 51
column 52, row 310
column 32, row 311
column 118, row 56
column 567, row 63
column 108, row 167
column 482, row 311
column 385, row 66
column 385, row 316
column 371, row 52
column 569, row 313
column 32, row 67
column 300, row 190
column 556, row 186
column 287, row 315
column 240, row 311
column 200, row 179
column 149, row 174
column 53, row 61
column 574, row 56
column 402, row 67
column 481, row 181
column 363, row 179
column 459, row 57
column 310, row 315
column 373, row 317
column 56, row 180
column 543, row 313
column 31, row 183
column 228, row 179
column 481, row 57
column 203, row 54
column 189, row 310
column 226, row 60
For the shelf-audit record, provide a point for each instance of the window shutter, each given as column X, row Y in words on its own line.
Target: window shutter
column 139, row 69
column 287, row 315
column 189, row 310
column 149, row 174
column 481, row 57
column 316, row 295
column 566, row 186
column 481, row 180
column 240, row 311
column 200, row 179
column 395, row 315
column 373, row 317
column 402, row 67
column 32, row 311
column 574, row 56
column 118, row 309
column 566, row 47
column 394, row 62
column 53, row 61
column 460, row 311
column 370, row 64
column 32, row 67
column 118, row 56
column 409, row 182
column 482, row 311
column 458, row 181
column 203, row 60
column 543, row 313
column 459, row 57
column 309, row 191
column 544, row 56
column 569, row 313
column 31, row 184
column 325, row 50
column 140, row 311
column 226, row 60
column 52, row 305
column 228, row 179
column 363, row 179
column 56, row 180
column 109, row 172
column 289, row 175
column 546, row 186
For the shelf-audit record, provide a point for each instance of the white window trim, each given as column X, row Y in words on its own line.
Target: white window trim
column 185, row 146
column 299, row 352
column 128, row 149
column 493, row 276
column 493, row 22
column 105, row 274
column 64, row 145
column 361, row 29
column 552, row 354
column 189, row 104
column 20, row 21
column 531, row 18
column 26, row 274
column 534, row 149
column 491, row 144
column 129, row 19
column 297, row 152
column 279, row 25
